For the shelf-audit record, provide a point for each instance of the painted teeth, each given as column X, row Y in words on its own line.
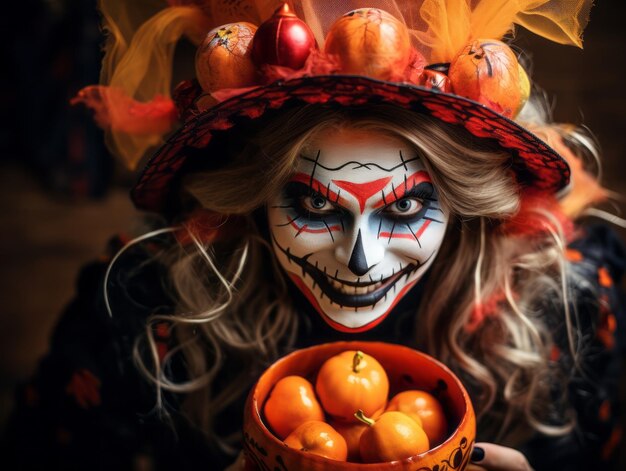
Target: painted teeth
column 347, row 289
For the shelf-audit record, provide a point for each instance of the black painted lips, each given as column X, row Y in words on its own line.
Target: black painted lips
column 355, row 300
column 339, row 297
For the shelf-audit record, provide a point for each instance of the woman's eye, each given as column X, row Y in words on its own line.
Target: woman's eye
column 406, row 207
column 317, row 204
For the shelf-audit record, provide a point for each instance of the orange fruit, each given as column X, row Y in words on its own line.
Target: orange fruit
column 291, row 403
column 371, row 42
column 427, row 408
column 488, row 72
column 350, row 381
column 394, row 436
column 351, row 432
column 224, row 60
column 320, row 439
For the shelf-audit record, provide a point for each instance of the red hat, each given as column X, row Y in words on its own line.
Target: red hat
column 449, row 64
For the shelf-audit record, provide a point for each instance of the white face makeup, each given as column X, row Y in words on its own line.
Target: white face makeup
column 357, row 226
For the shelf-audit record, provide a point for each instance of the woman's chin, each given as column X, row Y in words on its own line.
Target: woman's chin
column 355, row 319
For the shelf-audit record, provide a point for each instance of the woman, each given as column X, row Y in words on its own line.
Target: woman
column 333, row 206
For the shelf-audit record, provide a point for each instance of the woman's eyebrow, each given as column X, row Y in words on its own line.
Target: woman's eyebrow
column 315, row 185
column 410, row 185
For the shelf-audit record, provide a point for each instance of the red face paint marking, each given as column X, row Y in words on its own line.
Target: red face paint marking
column 319, row 188
column 363, row 191
column 335, row 325
column 408, row 236
column 305, row 228
column 411, row 182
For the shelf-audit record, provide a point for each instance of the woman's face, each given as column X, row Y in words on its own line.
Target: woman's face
column 357, row 225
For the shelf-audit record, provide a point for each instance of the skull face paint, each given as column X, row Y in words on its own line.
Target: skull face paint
column 357, row 226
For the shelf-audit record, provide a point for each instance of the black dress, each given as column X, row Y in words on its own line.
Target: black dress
column 89, row 408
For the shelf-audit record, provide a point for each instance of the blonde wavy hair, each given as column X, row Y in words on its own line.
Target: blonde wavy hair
column 235, row 315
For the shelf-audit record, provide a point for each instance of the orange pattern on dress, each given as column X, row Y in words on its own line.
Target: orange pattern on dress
column 84, row 386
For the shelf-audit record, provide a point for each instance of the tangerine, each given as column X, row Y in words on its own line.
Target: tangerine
column 427, row 408
column 291, row 403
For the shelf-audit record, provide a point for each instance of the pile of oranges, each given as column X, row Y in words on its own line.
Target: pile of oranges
column 348, row 415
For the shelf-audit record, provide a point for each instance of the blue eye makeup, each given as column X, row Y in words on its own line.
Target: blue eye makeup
column 308, row 203
column 409, row 215
column 311, row 210
column 412, row 206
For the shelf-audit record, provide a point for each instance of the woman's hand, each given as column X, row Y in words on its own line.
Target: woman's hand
column 491, row 457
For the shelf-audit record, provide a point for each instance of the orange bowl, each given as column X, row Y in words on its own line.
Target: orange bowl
column 406, row 368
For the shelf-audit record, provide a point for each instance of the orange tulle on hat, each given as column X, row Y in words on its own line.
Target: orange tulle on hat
column 138, row 65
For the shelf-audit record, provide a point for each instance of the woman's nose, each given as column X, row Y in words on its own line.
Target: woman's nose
column 361, row 252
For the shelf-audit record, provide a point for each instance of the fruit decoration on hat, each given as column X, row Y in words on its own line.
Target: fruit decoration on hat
column 283, row 40
column 370, row 42
column 454, row 48
column 224, row 59
column 434, row 80
column 487, row 71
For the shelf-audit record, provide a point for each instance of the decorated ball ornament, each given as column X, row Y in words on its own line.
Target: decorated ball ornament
column 283, row 40
column 435, row 80
column 223, row 60
column 370, row 42
column 487, row 71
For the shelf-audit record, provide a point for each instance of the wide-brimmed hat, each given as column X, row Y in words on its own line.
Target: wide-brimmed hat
column 454, row 69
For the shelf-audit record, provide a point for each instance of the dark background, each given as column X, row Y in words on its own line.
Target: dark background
column 62, row 197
